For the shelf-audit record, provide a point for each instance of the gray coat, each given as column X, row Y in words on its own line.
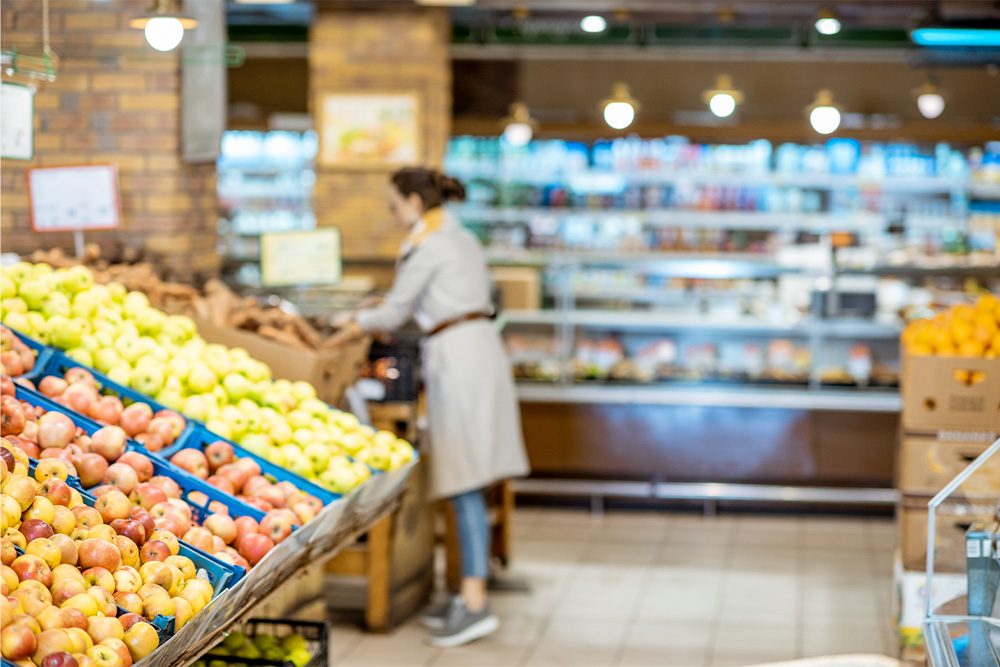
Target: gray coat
column 475, row 424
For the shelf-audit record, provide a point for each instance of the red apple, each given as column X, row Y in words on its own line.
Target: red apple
column 52, row 386
column 113, row 505
column 74, row 618
column 140, row 463
column 145, row 518
column 86, row 517
column 64, row 589
column 192, row 461
column 55, row 430
column 251, row 467
column 245, row 525
column 147, row 495
column 163, row 429
column 276, row 526
column 236, row 475
column 98, row 553
column 131, row 529
column 32, row 529
column 135, row 418
column 107, row 409
column 12, row 417
column 255, row 484
column 221, row 526
column 254, row 547
column 33, row 567
column 119, row 647
column 154, row 550
column 109, row 442
column 272, row 495
column 149, row 441
column 200, row 538
column 91, row 469
column 17, row 641
column 175, row 418
column 222, row 484
column 121, row 476
column 78, row 374
column 67, row 548
column 60, row 659
column 259, row 503
column 219, row 453
column 169, row 486
column 80, row 396
column 56, row 490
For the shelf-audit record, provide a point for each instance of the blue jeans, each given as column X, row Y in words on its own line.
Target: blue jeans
column 473, row 533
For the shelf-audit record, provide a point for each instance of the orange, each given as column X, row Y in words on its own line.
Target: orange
column 918, row 350
column 963, row 311
column 947, row 352
column 971, row 348
column 987, row 303
column 961, row 331
column 995, row 344
column 941, row 339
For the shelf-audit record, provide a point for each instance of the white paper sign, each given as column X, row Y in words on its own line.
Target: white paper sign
column 17, row 136
column 73, row 198
column 301, row 258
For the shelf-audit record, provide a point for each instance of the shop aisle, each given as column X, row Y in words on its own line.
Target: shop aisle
column 671, row 589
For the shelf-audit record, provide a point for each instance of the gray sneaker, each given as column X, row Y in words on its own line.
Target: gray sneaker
column 435, row 615
column 463, row 626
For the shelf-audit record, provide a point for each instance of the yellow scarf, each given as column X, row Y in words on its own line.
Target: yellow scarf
column 433, row 219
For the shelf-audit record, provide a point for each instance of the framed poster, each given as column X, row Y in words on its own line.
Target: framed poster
column 369, row 130
column 17, row 132
column 74, row 197
column 300, row 258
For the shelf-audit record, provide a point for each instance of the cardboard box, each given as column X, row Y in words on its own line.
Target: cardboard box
column 910, row 601
column 520, row 287
column 953, row 518
column 928, row 463
column 331, row 372
column 950, row 393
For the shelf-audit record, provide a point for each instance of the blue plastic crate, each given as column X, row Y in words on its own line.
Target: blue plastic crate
column 58, row 363
column 43, row 354
column 202, row 437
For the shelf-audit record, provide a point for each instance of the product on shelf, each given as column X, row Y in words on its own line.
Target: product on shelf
column 161, row 356
column 72, row 586
column 292, row 648
column 16, row 358
column 965, row 330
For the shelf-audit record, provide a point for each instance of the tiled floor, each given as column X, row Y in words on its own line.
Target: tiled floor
column 658, row 589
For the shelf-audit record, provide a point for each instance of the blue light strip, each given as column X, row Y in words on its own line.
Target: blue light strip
column 956, row 37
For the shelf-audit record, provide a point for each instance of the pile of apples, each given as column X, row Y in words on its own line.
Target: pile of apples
column 79, row 391
column 161, row 356
column 16, row 358
column 66, row 571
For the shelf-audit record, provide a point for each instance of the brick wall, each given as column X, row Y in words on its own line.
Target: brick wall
column 392, row 50
column 117, row 100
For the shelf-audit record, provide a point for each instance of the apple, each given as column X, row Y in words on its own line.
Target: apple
column 131, row 602
column 104, row 656
column 55, row 489
column 121, row 374
column 135, row 418
column 86, row 517
column 41, row 509
column 67, row 549
column 128, row 549
column 8, row 551
column 272, row 495
column 47, row 550
column 155, row 572
column 222, row 484
column 60, row 659
column 131, row 529
column 219, row 453
column 32, row 529
column 276, row 525
column 255, row 485
column 51, row 618
column 237, row 476
column 103, row 532
column 99, row 576
column 193, row 461
column 182, row 612
column 30, row 566
column 154, row 551
column 248, row 465
column 51, row 641
column 119, row 647
column 141, row 515
column 74, row 618
column 148, row 379
column 98, row 553
column 245, row 525
column 141, row 640
column 22, row 489
column 52, row 386
column 113, row 505
column 140, row 463
column 254, row 546
column 110, row 442
column 107, row 410
column 184, row 565
column 10, row 579
column 126, row 579
column 55, row 430
column 17, row 641
column 169, row 486
column 121, row 476
column 66, row 588
column 222, row 526
column 63, row 521
column 200, row 538
column 91, row 469
column 105, row 600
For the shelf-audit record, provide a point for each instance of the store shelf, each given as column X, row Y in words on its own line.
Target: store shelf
column 665, row 321
column 674, row 264
column 742, row 220
column 925, row 271
column 985, row 191
column 737, row 397
column 922, row 184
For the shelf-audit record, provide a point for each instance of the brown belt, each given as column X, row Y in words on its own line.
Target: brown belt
column 458, row 320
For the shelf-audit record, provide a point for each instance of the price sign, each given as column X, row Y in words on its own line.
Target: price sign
column 74, row 198
column 300, row 258
column 17, row 136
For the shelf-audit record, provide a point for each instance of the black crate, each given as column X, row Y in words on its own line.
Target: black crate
column 317, row 636
column 396, row 364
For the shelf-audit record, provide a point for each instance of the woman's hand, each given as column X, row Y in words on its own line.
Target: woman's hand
column 348, row 332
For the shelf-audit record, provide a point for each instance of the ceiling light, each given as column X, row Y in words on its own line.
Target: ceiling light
column 593, row 24
column 827, row 23
column 955, row 36
column 446, row 3
column 264, row 2
column 620, row 108
column 164, row 29
column 823, row 115
column 519, row 126
column 930, row 102
column 722, row 99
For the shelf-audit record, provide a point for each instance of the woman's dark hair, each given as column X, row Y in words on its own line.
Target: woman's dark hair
column 433, row 187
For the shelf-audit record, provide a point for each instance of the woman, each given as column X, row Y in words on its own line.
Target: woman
column 475, row 428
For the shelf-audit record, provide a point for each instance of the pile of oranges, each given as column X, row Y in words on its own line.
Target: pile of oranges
column 964, row 330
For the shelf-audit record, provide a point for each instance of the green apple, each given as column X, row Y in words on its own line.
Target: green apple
column 272, row 399
column 149, row 320
column 283, row 386
column 220, row 428
column 103, row 337
column 339, row 480
column 291, row 452
column 56, row 303
column 315, row 407
column 8, row 288
column 14, row 304
column 299, row 419
column 256, row 443
column 353, row 442
column 83, row 305
column 219, row 364
column 80, row 356
column 106, row 358
column 302, row 391
column 33, row 292
column 134, row 303
column 201, row 379
column 173, row 384
column 20, row 322
column 237, row 421
column 299, row 657
column 237, row 354
column 303, row 437
column 264, row 642
column 281, row 432
column 20, row 272
column 293, row 642
column 235, row 641
column 236, row 386
column 148, row 379
column 179, row 367
column 90, row 344
column 317, row 425
column 275, row 455
column 171, row 398
column 301, row 466
column 345, row 420
column 318, row 455
column 118, row 292
column 122, row 374
column 221, row 397
column 274, row 653
column 65, row 333
column 248, row 651
column 42, row 269
column 256, row 371
column 196, row 407
column 77, row 279
column 128, row 348
column 37, row 321
column 128, row 328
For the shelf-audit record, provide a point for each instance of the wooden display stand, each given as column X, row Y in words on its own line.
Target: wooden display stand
column 397, row 557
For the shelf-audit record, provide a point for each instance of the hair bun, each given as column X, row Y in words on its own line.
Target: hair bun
column 451, row 189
